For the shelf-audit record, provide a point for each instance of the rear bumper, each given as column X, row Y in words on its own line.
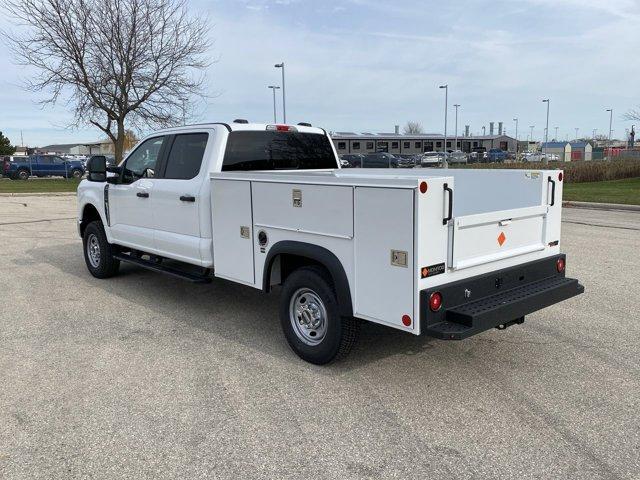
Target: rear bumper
column 495, row 299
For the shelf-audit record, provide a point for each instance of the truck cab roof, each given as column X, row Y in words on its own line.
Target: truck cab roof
column 236, row 127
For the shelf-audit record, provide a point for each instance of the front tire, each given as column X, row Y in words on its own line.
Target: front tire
column 311, row 320
column 98, row 252
column 76, row 173
column 22, row 175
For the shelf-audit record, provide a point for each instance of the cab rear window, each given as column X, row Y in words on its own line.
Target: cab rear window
column 273, row 150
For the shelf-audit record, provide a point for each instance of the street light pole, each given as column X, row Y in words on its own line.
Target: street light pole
column 556, row 135
column 455, row 145
column 546, row 132
column 274, row 88
column 517, row 143
column 446, row 102
column 610, row 110
column 577, row 134
column 531, row 127
column 284, row 100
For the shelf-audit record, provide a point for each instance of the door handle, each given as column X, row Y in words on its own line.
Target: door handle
column 187, row 198
column 450, row 211
column 553, row 192
column 142, row 194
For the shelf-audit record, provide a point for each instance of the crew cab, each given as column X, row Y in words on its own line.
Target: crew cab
column 438, row 252
column 43, row 166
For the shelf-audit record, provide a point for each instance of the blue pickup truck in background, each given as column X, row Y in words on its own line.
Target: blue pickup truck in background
column 43, row 166
column 496, row 155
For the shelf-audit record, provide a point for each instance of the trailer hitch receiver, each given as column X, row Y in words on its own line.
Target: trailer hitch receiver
column 504, row 326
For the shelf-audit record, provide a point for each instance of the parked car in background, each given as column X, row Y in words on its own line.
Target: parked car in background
column 407, row 161
column 353, row 160
column 429, row 159
column 380, row 160
column 477, row 156
column 43, row 166
column 496, row 155
column 457, row 157
column 532, row 157
column 5, row 160
column 540, row 157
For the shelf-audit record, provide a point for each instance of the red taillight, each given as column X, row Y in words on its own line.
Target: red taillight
column 282, row 128
column 560, row 265
column 560, row 176
column 435, row 301
column 423, row 187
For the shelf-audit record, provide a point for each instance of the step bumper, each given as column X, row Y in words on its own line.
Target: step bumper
column 510, row 298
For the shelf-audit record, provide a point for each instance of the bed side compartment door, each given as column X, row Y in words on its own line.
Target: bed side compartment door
column 384, row 273
column 232, row 230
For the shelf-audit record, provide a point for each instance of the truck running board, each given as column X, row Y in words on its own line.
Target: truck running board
column 505, row 308
column 159, row 267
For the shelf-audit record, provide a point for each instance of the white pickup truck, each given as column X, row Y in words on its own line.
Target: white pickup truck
column 438, row 252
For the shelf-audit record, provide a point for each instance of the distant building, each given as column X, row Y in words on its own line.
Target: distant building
column 561, row 149
column 88, row 148
column 21, row 152
column 411, row 144
column 569, row 151
column 581, row 151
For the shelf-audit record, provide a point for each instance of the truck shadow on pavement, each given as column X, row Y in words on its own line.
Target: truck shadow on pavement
column 241, row 314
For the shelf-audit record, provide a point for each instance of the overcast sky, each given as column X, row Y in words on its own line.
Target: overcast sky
column 367, row 65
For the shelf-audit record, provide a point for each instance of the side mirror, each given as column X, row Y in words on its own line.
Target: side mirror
column 97, row 167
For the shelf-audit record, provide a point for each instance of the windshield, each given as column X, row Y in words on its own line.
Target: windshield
column 272, row 150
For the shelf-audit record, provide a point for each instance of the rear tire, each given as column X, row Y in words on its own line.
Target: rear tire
column 311, row 320
column 98, row 252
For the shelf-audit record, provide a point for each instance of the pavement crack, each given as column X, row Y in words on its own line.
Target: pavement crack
column 38, row 221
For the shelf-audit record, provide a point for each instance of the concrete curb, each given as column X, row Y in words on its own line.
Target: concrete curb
column 601, row 206
column 39, row 194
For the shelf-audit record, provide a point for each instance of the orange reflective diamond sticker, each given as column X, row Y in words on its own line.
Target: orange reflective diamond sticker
column 502, row 238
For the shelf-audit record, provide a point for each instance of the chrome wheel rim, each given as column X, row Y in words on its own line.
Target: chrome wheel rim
column 93, row 250
column 308, row 316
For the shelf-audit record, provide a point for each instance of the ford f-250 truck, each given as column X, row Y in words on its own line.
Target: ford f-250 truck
column 438, row 252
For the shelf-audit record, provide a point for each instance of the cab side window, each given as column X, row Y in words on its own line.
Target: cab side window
column 143, row 161
column 185, row 159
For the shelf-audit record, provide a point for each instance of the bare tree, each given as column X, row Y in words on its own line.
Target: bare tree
column 412, row 128
column 633, row 115
column 116, row 63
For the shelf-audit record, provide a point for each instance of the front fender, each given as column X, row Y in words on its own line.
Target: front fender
column 93, row 193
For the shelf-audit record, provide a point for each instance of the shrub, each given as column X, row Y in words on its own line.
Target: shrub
column 579, row 171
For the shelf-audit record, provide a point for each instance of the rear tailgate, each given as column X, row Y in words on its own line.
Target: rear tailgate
column 489, row 237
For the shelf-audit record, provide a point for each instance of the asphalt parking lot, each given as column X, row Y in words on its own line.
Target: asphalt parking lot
column 145, row 376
